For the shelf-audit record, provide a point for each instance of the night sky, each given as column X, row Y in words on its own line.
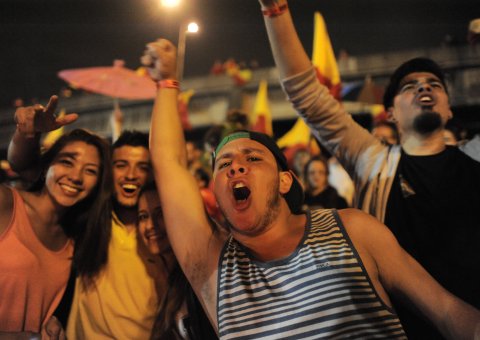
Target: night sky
column 41, row 37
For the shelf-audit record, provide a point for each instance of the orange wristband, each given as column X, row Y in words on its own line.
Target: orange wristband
column 168, row 84
column 275, row 11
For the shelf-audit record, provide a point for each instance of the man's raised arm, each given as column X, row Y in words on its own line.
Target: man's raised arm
column 196, row 245
column 288, row 52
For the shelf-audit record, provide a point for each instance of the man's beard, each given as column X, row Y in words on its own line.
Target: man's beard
column 427, row 122
column 272, row 209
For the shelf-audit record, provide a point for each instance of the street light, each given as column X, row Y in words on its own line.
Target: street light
column 184, row 29
column 170, row 3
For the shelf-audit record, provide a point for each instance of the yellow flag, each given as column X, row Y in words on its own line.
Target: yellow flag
column 323, row 57
column 298, row 134
column 261, row 117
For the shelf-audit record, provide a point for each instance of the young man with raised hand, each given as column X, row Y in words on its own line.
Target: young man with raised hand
column 427, row 193
column 281, row 272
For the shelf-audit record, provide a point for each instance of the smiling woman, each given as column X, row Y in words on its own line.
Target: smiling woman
column 180, row 315
column 64, row 215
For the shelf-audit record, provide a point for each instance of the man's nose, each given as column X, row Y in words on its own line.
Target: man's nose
column 424, row 87
column 131, row 173
column 237, row 168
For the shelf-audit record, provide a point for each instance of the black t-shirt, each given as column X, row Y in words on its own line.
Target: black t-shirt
column 328, row 199
column 434, row 211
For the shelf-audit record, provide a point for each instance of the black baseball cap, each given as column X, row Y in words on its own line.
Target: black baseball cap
column 295, row 196
column 410, row 66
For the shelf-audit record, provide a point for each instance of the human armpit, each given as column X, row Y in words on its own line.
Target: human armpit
column 196, row 244
column 401, row 275
column 358, row 227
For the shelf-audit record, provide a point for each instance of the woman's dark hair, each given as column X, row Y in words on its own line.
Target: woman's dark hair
column 88, row 222
column 178, row 292
column 320, row 159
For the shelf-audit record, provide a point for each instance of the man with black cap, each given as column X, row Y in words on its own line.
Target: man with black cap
column 279, row 272
column 427, row 193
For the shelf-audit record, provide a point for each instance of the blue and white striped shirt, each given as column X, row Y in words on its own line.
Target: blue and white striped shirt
column 322, row 290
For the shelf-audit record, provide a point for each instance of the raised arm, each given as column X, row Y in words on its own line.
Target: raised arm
column 288, row 52
column 196, row 245
column 32, row 121
column 401, row 275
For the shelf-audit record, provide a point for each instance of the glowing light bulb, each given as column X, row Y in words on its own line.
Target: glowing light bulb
column 170, row 3
column 192, row 27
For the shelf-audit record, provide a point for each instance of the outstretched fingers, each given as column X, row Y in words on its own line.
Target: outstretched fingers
column 51, row 106
column 65, row 120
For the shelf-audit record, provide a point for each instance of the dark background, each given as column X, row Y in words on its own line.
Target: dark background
column 41, row 37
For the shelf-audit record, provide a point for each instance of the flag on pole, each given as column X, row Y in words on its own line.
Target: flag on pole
column 324, row 59
column 261, row 118
column 298, row 134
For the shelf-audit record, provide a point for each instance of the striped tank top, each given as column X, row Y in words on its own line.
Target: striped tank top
column 322, row 290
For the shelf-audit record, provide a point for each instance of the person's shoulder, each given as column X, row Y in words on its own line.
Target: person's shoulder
column 360, row 224
column 471, row 148
column 352, row 215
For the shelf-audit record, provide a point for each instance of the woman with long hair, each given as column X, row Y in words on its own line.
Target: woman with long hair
column 180, row 314
column 60, row 221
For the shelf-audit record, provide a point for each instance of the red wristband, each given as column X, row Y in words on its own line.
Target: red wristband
column 168, row 84
column 275, row 11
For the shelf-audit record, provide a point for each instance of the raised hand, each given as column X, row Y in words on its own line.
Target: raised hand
column 37, row 118
column 160, row 59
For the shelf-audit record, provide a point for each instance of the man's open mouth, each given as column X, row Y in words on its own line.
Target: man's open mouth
column 129, row 188
column 426, row 100
column 240, row 192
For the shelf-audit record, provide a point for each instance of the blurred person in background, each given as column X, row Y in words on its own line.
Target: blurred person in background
column 318, row 193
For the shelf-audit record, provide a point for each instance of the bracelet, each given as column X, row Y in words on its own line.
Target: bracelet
column 168, row 84
column 275, row 11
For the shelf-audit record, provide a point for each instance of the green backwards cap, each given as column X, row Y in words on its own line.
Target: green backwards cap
column 295, row 196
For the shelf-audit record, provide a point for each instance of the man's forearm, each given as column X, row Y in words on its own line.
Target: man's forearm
column 462, row 321
column 23, row 151
column 167, row 142
column 288, row 52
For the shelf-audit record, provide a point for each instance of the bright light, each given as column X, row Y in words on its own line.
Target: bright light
column 192, row 27
column 170, row 3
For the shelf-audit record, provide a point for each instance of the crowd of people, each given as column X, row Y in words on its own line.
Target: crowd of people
column 155, row 237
